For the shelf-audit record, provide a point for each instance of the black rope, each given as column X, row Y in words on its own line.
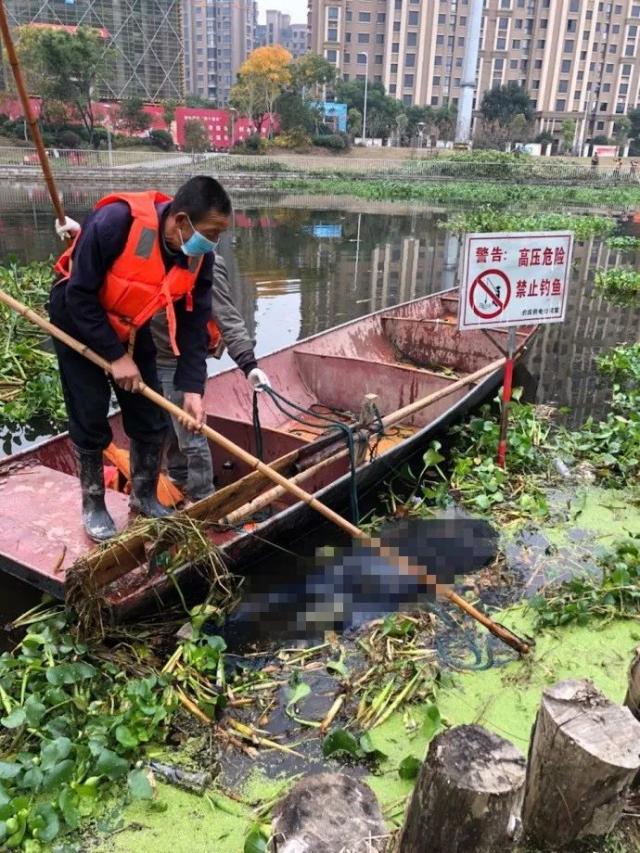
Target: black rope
column 281, row 402
column 257, row 429
column 288, row 408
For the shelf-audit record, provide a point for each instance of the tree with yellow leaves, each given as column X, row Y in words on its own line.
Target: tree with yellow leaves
column 261, row 78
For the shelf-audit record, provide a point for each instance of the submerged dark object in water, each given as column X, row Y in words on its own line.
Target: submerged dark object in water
column 351, row 586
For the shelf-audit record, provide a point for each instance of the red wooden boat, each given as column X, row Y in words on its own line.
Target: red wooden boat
column 423, row 372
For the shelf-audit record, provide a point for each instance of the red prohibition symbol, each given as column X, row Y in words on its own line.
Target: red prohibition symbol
column 489, row 294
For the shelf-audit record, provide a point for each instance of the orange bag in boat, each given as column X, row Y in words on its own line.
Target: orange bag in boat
column 168, row 493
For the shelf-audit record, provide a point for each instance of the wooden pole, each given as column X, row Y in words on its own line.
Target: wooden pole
column 29, row 115
column 249, row 460
column 217, row 438
column 583, row 758
column 468, row 795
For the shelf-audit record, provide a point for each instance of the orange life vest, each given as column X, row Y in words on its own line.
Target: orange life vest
column 137, row 285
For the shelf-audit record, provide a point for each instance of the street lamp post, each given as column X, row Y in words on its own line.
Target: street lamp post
column 364, row 112
column 232, row 113
column 107, row 126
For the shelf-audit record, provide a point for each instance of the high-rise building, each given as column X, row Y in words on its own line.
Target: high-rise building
column 218, row 37
column 280, row 30
column 143, row 37
column 578, row 59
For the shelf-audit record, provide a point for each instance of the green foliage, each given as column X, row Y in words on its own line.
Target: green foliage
column 196, row 137
column 626, row 244
column 293, row 140
column 311, row 71
column 469, row 192
column 622, row 363
column 29, row 379
column 409, row 767
column 614, row 593
column 74, row 723
column 169, row 110
column 332, row 141
column 253, row 144
column 65, row 66
column 488, row 219
column 161, row 139
column 477, row 481
column 340, row 743
column 132, row 115
column 612, row 445
column 504, row 103
column 620, row 285
column 381, row 108
column 294, row 113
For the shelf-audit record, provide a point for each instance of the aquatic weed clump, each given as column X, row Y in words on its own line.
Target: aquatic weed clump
column 159, row 546
column 29, row 380
column 620, row 285
column 614, row 593
column 74, row 722
column 80, row 716
column 612, row 445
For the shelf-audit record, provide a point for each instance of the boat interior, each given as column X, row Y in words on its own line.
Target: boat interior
column 400, row 355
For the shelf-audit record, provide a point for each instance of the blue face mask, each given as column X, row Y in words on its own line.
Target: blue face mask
column 197, row 244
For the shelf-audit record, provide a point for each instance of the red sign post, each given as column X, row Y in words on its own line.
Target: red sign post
column 512, row 279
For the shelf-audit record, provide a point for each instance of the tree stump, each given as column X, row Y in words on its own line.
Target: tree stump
column 584, row 754
column 326, row 813
column 468, row 795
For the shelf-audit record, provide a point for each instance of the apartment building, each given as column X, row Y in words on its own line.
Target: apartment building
column 280, row 30
column 143, row 38
column 218, row 36
column 578, row 59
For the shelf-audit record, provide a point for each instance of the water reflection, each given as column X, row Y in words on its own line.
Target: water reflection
column 296, row 271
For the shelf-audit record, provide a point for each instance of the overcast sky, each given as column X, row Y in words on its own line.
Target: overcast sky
column 296, row 8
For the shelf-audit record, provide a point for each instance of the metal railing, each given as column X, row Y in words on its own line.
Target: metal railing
column 432, row 166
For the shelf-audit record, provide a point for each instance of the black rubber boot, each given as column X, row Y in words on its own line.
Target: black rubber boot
column 145, row 470
column 98, row 524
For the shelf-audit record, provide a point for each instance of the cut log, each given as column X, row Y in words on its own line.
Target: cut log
column 468, row 795
column 632, row 699
column 584, row 754
column 326, row 813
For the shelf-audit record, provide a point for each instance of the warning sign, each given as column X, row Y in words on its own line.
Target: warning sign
column 512, row 279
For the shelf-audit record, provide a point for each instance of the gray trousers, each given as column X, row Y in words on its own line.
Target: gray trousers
column 188, row 456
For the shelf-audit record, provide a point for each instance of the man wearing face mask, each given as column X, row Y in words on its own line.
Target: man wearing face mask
column 136, row 254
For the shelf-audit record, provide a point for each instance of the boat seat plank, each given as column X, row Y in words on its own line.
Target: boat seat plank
column 342, row 382
column 40, row 524
column 437, row 342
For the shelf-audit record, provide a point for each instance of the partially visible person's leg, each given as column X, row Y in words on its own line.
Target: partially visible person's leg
column 87, row 393
column 188, row 456
column 177, row 466
column 146, row 425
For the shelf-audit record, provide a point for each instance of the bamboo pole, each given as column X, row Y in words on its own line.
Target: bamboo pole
column 28, row 114
column 254, row 463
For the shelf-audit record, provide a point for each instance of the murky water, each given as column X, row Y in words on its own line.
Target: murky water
column 297, row 271
column 298, row 268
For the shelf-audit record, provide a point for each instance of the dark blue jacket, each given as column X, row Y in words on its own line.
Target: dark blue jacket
column 76, row 308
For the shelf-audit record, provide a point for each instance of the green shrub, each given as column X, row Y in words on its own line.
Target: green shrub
column 292, row 139
column 161, row 139
column 332, row 141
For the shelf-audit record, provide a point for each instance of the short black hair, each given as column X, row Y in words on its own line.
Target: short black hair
column 199, row 196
